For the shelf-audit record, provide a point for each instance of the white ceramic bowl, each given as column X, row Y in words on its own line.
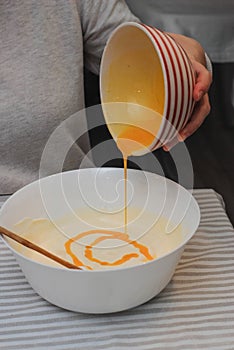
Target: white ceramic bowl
column 101, row 291
column 145, row 67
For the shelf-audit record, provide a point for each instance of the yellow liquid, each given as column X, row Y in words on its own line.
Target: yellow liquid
column 133, row 98
column 135, row 132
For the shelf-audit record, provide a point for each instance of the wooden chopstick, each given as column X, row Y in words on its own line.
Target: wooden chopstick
column 38, row 249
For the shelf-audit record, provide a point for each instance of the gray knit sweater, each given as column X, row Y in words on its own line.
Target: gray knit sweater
column 43, row 47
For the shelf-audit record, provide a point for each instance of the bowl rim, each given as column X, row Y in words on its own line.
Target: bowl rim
column 114, row 269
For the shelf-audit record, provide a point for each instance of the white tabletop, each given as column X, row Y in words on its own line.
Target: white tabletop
column 195, row 310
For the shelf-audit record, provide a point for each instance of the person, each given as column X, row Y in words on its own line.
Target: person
column 44, row 45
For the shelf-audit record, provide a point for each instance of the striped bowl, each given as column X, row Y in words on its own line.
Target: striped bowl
column 139, row 58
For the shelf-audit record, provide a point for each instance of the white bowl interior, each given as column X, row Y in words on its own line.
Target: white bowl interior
column 103, row 189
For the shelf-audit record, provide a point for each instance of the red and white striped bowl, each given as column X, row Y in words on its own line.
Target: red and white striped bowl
column 178, row 75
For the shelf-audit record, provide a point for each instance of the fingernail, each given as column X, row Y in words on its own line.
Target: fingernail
column 180, row 137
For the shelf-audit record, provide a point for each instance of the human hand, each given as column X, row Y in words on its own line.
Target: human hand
column 203, row 79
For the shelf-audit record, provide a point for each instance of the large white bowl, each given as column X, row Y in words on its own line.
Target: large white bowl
column 101, row 291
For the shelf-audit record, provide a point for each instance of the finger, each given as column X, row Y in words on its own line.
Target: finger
column 203, row 81
column 201, row 110
column 169, row 145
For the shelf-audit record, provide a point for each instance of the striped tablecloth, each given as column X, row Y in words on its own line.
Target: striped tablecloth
column 195, row 310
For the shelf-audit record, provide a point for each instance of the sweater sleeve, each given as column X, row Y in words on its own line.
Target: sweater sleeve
column 98, row 19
